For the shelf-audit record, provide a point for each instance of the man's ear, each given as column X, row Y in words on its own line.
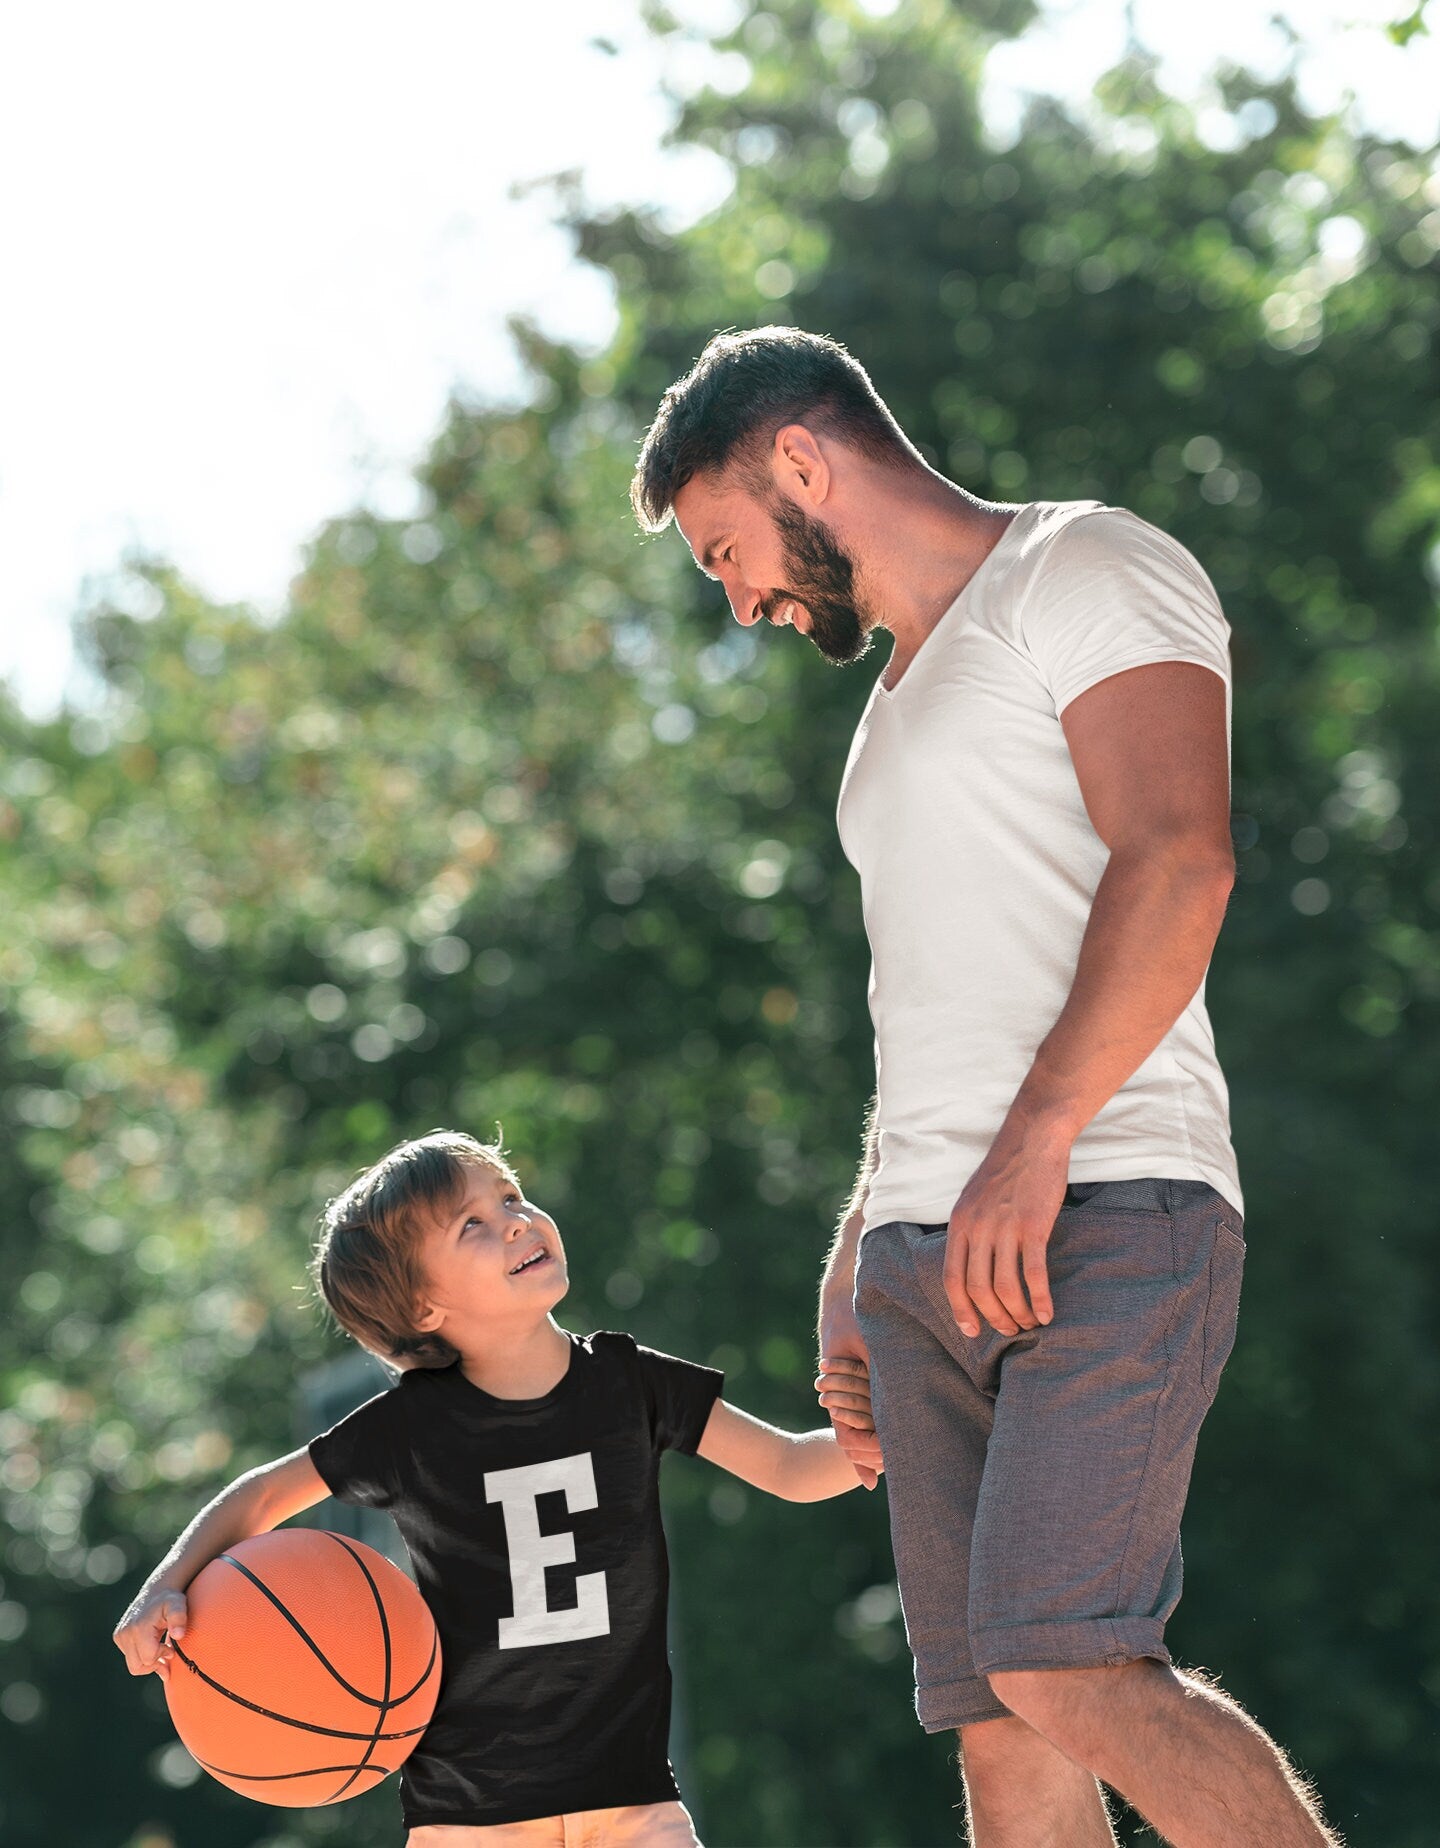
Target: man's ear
column 800, row 462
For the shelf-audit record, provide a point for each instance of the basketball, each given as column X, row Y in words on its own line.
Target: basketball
column 308, row 1671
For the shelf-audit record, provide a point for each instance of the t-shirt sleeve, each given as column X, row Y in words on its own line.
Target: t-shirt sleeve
column 356, row 1458
column 1114, row 592
column 680, row 1395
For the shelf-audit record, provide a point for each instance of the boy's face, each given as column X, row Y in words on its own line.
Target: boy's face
column 494, row 1263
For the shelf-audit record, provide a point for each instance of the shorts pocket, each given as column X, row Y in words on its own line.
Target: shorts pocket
column 1222, row 1308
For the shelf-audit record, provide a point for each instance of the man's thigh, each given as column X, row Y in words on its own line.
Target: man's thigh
column 1075, row 1557
column 1036, row 1481
column 933, row 1424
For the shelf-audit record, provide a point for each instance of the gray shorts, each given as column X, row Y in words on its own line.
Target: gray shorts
column 1036, row 1481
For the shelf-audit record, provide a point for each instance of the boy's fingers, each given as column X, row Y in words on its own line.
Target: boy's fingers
column 858, row 1416
column 865, row 1455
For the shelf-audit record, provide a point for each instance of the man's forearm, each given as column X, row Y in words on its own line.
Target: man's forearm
column 1152, row 928
column 838, row 1281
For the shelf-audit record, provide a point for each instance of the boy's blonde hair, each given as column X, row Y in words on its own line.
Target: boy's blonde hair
column 366, row 1264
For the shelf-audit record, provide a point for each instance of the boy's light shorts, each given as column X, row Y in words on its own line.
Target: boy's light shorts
column 640, row 1825
column 1036, row 1481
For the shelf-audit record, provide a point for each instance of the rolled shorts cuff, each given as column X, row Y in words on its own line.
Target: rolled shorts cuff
column 1088, row 1642
column 953, row 1704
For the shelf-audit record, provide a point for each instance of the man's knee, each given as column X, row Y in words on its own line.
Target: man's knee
column 1071, row 1706
column 1026, row 1691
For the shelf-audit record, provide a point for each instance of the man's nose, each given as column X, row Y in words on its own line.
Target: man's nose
column 745, row 607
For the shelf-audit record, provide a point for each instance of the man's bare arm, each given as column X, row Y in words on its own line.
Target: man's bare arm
column 842, row 1347
column 1149, row 748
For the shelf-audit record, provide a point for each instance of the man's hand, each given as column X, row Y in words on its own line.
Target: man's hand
column 1001, row 1225
column 843, row 1381
column 843, row 1384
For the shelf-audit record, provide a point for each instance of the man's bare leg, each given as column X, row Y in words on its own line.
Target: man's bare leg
column 1021, row 1792
column 1196, row 1766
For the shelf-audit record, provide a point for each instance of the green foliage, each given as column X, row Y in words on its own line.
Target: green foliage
column 1411, row 26
column 504, row 820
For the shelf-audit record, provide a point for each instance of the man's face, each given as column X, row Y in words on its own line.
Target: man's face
column 778, row 564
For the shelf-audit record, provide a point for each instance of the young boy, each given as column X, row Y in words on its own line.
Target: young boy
column 554, row 1707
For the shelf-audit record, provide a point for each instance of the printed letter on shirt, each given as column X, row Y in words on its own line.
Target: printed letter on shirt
column 531, row 1552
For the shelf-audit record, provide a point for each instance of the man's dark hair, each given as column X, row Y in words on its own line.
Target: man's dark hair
column 742, row 389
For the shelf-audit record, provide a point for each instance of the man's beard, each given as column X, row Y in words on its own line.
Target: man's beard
column 823, row 579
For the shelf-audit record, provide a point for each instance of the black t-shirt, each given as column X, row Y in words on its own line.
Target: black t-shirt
column 534, row 1529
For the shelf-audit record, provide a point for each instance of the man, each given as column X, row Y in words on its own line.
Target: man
column 1048, row 1216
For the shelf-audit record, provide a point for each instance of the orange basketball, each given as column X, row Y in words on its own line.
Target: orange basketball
column 308, row 1670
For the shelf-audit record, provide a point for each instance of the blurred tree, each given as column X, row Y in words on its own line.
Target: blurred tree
column 505, row 820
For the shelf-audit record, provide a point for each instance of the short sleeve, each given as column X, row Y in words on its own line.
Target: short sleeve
column 1114, row 592
column 680, row 1396
column 356, row 1459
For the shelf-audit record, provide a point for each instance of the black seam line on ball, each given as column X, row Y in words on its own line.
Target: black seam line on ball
column 285, row 1719
column 385, row 1633
column 278, row 1777
column 318, row 1653
column 394, row 1701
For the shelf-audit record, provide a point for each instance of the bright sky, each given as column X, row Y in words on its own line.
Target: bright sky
column 250, row 251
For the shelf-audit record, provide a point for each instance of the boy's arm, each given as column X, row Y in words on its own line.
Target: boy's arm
column 797, row 1466
column 253, row 1504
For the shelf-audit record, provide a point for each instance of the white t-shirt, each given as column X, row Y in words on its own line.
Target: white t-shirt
column 961, row 811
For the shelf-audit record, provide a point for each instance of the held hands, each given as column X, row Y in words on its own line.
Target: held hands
column 843, row 1384
column 995, row 1249
column 144, row 1633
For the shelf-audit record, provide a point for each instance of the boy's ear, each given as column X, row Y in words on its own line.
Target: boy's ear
column 427, row 1317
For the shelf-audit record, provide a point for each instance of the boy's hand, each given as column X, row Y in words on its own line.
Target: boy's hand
column 843, row 1384
column 143, row 1634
